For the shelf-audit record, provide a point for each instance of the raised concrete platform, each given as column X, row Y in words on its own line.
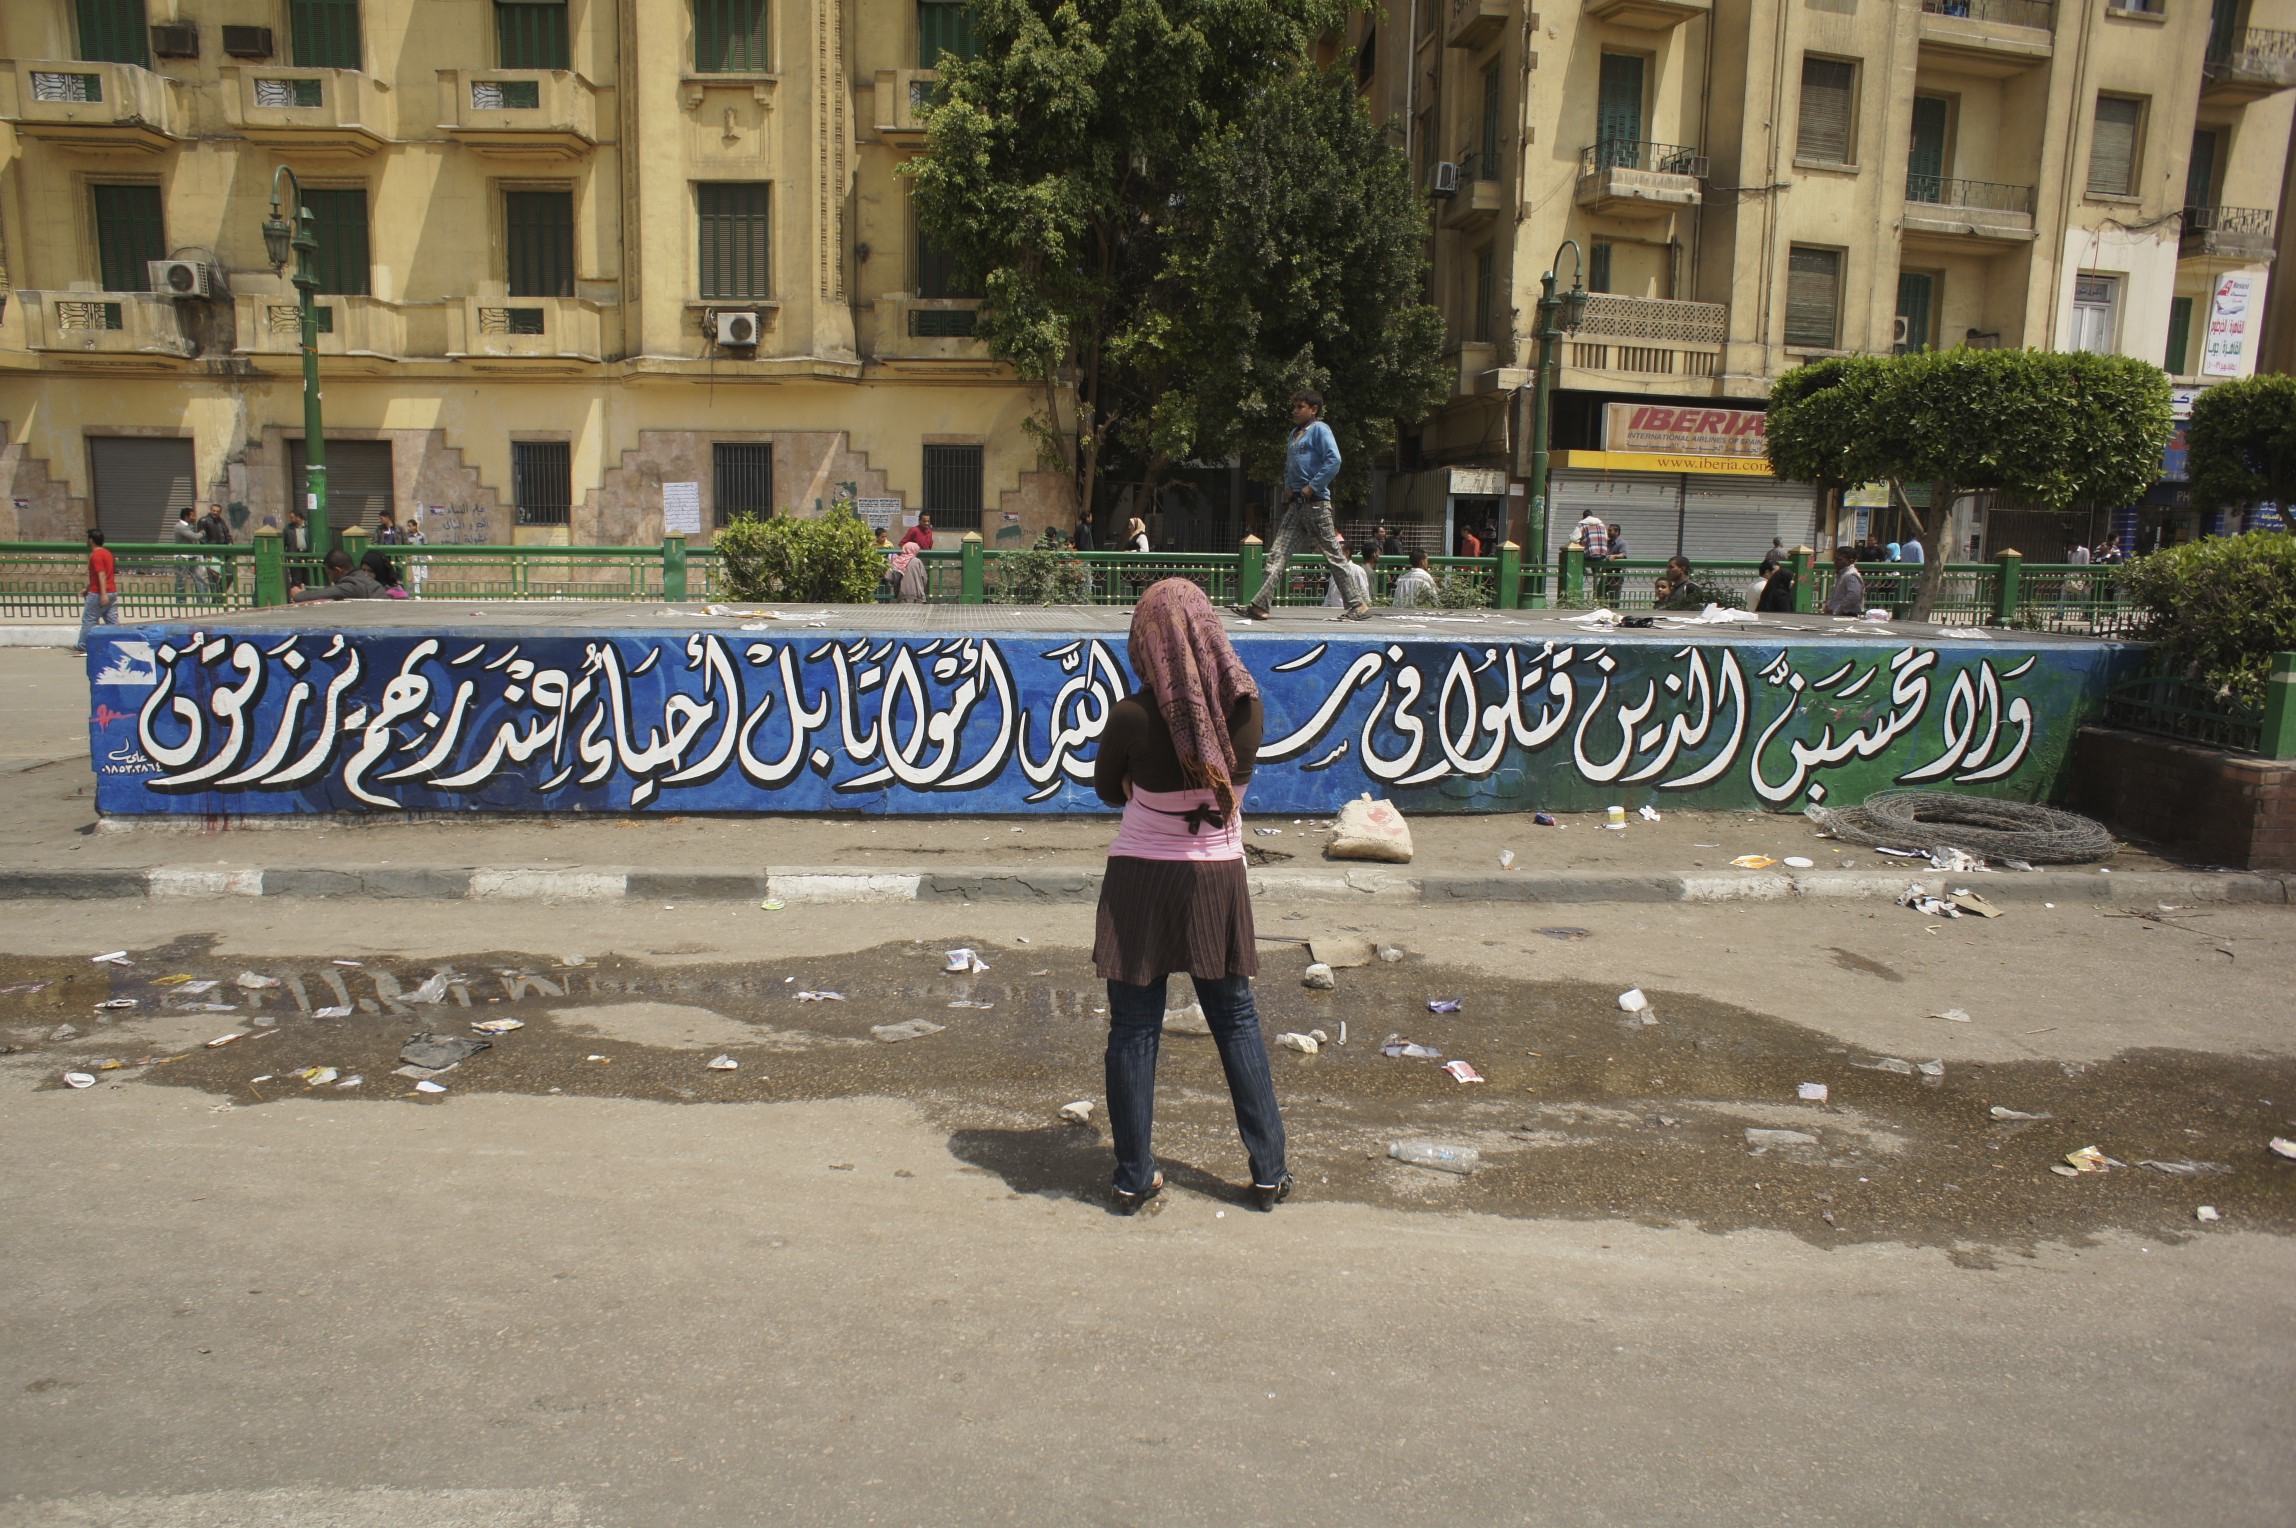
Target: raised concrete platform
column 609, row 707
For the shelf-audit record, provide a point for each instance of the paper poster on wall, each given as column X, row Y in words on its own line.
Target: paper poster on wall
column 2227, row 342
column 879, row 514
column 681, row 509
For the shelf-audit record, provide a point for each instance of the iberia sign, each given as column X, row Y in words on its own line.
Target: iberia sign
column 1653, row 461
column 1666, row 429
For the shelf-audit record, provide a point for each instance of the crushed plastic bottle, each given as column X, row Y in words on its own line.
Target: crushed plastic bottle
column 1436, row 1156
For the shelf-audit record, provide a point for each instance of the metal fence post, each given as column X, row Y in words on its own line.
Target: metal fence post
column 270, row 568
column 1251, row 569
column 1510, row 575
column 975, row 570
column 1573, row 581
column 2006, row 595
column 2278, row 740
column 1805, row 583
column 673, row 565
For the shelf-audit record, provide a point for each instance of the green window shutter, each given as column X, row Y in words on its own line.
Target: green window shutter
column 112, row 32
column 129, row 234
column 325, row 33
column 2113, row 146
column 1916, row 306
column 1494, row 91
column 2200, row 175
column 1598, row 267
column 1829, row 89
column 1813, row 297
column 937, row 274
column 531, row 34
column 1618, row 110
column 339, row 219
column 540, row 242
column 1925, row 159
column 729, row 36
column 1485, row 270
column 735, row 238
column 943, row 26
column 2178, row 362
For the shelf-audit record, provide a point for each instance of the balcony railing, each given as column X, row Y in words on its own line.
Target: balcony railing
column 1651, row 318
column 2249, row 65
column 1976, row 195
column 2227, row 231
column 1652, row 158
column 2016, row 13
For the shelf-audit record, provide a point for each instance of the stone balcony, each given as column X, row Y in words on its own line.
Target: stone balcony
column 1939, row 207
column 2243, row 234
column 1473, row 24
column 1989, row 38
column 529, row 329
column 901, row 100
column 102, row 325
column 1636, row 179
column 1478, row 199
column 351, row 328
column 530, row 114
column 308, row 111
column 2250, row 66
column 927, row 329
column 1648, row 338
column 1648, row 15
column 91, row 107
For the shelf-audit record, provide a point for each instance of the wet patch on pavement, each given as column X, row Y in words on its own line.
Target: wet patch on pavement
column 1586, row 1111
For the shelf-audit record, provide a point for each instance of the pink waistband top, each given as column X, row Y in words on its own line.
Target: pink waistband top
column 1178, row 825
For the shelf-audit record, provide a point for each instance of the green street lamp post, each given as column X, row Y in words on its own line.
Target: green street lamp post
column 302, row 238
column 1557, row 315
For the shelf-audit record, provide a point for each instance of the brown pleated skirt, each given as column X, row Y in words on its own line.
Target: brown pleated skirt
column 1161, row 916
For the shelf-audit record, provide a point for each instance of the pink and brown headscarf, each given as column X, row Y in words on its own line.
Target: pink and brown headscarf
column 1184, row 659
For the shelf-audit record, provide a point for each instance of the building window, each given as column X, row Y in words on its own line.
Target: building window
column 1925, row 157
column 1618, row 107
column 953, row 487
column 1829, row 99
column 1494, row 95
column 1916, row 312
column 1484, row 269
column 2200, row 171
column 2096, row 313
column 729, row 36
column 735, row 238
column 1367, row 55
column 1598, row 267
column 129, row 235
column 112, row 32
column 2178, row 362
column 325, row 33
column 339, row 219
column 542, row 481
column 531, row 34
column 2113, row 146
column 744, row 480
column 539, row 240
column 1813, row 298
column 937, row 273
column 943, row 26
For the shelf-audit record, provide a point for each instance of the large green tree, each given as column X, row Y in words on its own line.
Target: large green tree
column 2044, row 428
column 2241, row 446
column 1176, row 219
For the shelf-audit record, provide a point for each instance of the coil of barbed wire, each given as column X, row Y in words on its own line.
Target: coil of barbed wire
column 1979, row 825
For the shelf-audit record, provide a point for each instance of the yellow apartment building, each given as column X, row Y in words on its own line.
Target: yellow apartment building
column 570, row 251
column 1754, row 183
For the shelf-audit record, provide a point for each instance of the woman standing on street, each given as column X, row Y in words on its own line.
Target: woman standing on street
column 1176, row 757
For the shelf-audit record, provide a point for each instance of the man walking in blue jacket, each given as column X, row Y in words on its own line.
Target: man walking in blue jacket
column 1311, row 461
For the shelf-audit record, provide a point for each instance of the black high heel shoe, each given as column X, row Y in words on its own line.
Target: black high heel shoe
column 1269, row 1195
column 1130, row 1204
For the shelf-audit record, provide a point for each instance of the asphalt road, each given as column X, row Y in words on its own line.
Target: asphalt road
column 855, row 1281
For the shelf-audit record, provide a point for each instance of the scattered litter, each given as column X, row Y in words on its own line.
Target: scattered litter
column 1462, row 1071
column 1632, row 1001
column 773, row 904
column 435, row 1051
column 2207, row 1215
column 266, row 1077
column 14, row 988
column 573, row 960
column 1267, row 832
column 332, row 1011
column 1396, row 1045
column 1186, row 1021
column 2284, row 1147
column 907, row 1029
column 966, row 1002
column 428, row 1086
column 191, row 988
column 116, row 1003
column 1506, row 859
column 1319, row 977
column 1443, row 1004
column 606, row 1059
column 1811, row 1092
column 2183, row 1167
column 1954, row 861
column 256, row 983
column 1760, row 1141
column 1649, row 814
column 1614, row 818
column 1342, row 1031
column 1998, row 1112
column 351, row 1081
column 2090, row 1160
column 1369, row 830
column 1931, row 1069
column 2050, row 905
column 1545, row 820
column 354, row 964
column 1900, row 853
column 222, row 1040
column 1971, row 902
column 966, row 959
column 1306, row 1045
column 1886, row 1064
column 1954, row 1016
column 115, row 958
column 1753, row 862
column 63, row 1032
column 821, row 997
column 498, row 1026
column 1566, row 933
column 1928, row 906
column 1460, row 1160
column 2015, row 864
column 722, row 1064
column 318, row 1076
column 1705, row 846
column 1797, row 862
column 1390, row 954
column 79, row 1080
column 1077, row 1113
column 214, row 1008
column 432, row 991
column 1319, row 1037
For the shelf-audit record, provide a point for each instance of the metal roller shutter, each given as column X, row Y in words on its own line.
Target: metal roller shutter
column 358, row 481
column 1733, row 518
column 140, row 486
column 1643, row 504
column 1828, row 87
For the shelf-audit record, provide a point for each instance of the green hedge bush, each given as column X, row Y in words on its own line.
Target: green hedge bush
column 2221, row 607
column 831, row 558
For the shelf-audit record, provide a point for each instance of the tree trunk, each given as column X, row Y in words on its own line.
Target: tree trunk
column 1936, row 546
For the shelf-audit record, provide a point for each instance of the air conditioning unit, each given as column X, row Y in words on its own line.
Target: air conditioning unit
column 247, row 42
column 181, row 278
column 737, row 331
column 1445, row 180
column 175, row 39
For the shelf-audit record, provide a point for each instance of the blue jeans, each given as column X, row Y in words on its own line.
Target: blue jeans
column 1136, row 1025
column 96, row 610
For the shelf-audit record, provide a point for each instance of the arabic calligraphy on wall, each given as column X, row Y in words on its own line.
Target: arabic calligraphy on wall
column 270, row 722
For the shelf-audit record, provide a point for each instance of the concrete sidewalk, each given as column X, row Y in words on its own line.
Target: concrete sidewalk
column 59, row 848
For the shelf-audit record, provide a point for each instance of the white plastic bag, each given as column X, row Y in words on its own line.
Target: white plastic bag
column 1370, row 830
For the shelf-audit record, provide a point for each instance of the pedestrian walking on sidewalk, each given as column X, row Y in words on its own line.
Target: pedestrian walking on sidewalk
column 101, row 605
column 1311, row 461
column 1848, row 597
column 1176, row 756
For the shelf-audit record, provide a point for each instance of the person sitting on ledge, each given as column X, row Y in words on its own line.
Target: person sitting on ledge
column 1848, row 597
column 1417, row 586
column 1687, row 591
column 349, row 583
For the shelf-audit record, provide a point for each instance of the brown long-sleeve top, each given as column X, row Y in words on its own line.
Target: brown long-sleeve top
column 1138, row 744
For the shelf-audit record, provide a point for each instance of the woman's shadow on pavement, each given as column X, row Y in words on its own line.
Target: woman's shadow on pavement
column 1071, row 1163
